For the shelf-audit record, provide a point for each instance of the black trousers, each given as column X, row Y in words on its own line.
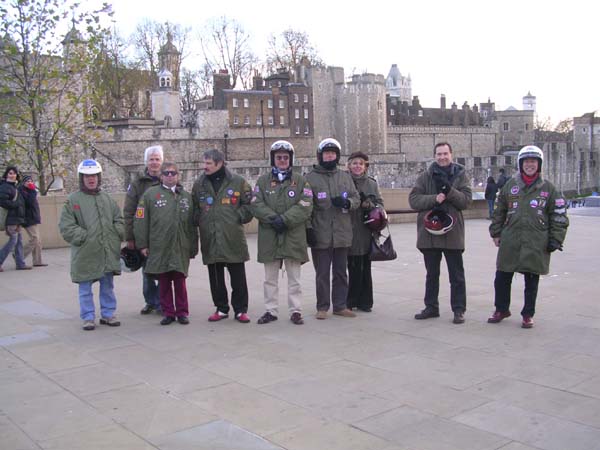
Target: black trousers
column 239, row 288
column 329, row 261
column 456, row 273
column 502, row 287
column 360, row 282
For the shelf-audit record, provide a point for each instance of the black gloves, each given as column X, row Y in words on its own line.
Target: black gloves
column 553, row 245
column 442, row 183
column 311, row 237
column 367, row 202
column 340, row 202
column 278, row 224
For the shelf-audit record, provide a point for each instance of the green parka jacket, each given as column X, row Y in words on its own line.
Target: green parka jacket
column 526, row 217
column 164, row 224
column 332, row 225
column 220, row 216
column 361, row 235
column 133, row 197
column 290, row 199
column 93, row 225
column 422, row 198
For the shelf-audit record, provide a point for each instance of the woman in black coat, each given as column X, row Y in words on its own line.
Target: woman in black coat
column 491, row 189
column 15, row 218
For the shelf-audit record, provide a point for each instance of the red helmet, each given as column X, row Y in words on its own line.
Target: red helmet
column 438, row 222
column 376, row 219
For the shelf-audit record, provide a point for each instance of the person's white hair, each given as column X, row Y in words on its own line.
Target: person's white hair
column 151, row 150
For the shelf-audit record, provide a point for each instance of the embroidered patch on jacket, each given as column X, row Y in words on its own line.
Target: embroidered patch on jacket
column 139, row 213
column 321, row 195
column 76, row 206
column 291, row 194
column 559, row 202
column 533, row 203
column 307, row 192
column 514, row 190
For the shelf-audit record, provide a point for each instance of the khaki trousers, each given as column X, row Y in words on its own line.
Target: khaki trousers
column 34, row 244
column 271, row 287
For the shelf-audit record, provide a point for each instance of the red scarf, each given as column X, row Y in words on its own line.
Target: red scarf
column 529, row 179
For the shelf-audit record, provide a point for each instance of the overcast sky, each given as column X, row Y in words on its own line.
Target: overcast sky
column 468, row 50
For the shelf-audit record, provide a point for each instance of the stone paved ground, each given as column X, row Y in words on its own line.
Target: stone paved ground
column 381, row 381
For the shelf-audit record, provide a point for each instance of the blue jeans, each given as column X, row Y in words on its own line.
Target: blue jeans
column 108, row 301
column 491, row 207
column 14, row 242
column 150, row 290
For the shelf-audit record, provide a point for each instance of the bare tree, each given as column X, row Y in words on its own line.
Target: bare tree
column 565, row 126
column 289, row 49
column 225, row 45
column 43, row 98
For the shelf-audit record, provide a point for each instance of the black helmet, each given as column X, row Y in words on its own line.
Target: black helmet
column 376, row 219
column 131, row 260
column 438, row 221
column 282, row 146
column 331, row 145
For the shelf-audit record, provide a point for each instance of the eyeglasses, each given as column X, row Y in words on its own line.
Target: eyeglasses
column 282, row 157
column 169, row 173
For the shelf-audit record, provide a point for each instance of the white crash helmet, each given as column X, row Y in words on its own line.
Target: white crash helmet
column 282, row 146
column 329, row 144
column 89, row 167
column 530, row 151
column 438, row 222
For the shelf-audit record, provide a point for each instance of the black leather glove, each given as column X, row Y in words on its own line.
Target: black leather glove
column 311, row 237
column 278, row 224
column 442, row 183
column 368, row 202
column 340, row 202
column 553, row 245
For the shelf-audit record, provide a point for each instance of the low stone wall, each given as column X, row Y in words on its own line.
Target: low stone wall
column 394, row 199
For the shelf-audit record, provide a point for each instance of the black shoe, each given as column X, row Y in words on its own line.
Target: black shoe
column 364, row 309
column 266, row 318
column 459, row 317
column 183, row 320
column 147, row 309
column 167, row 320
column 296, row 318
column 427, row 313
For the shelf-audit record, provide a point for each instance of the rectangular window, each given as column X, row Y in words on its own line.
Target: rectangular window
column 258, row 120
column 392, row 112
column 493, row 161
column 236, row 120
column 270, row 103
column 246, row 120
column 306, row 114
column 297, row 129
column 281, row 104
column 296, row 113
column 235, row 102
column 306, row 129
column 246, row 103
column 505, row 126
column 553, row 146
column 477, row 161
column 271, row 120
column 526, row 127
column 281, row 120
column 306, row 96
column 507, row 161
column 296, row 98
column 461, row 161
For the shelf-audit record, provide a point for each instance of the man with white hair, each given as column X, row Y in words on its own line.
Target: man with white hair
column 153, row 159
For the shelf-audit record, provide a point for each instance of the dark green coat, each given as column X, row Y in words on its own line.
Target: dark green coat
column 292, row 200
column 526, row 217
column 422, row 198
column 133, row 197
column 164, row 224
column 332, row 225
column 361, row 235
column 93, row 225
column 220, row 216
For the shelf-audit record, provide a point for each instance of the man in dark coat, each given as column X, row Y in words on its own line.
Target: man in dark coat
column 15, row 217
column 445, row 186
column 33, row 219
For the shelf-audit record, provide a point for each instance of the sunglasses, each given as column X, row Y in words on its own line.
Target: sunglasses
column 169, row 173
column 282, row 157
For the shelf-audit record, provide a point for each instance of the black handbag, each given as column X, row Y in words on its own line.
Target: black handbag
column 382, row 251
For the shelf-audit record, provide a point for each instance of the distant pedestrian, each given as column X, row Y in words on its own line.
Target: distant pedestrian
column 282, row 203
column 440, row 195
column 92, row 223
column 529, row 223
column 490, row 195
column 33, row 219
column 222, row 207
column 330, row 229
column 502, row 179
column 153, row 159
column 14, row 203
column 360, row 283
column 165, row 233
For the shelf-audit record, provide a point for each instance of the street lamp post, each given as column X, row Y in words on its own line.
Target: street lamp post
column 225, row 137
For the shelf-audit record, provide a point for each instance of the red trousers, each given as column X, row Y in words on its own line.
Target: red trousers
column 167, row 282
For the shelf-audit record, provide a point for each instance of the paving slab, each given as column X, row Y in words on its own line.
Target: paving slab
column 380, row 381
